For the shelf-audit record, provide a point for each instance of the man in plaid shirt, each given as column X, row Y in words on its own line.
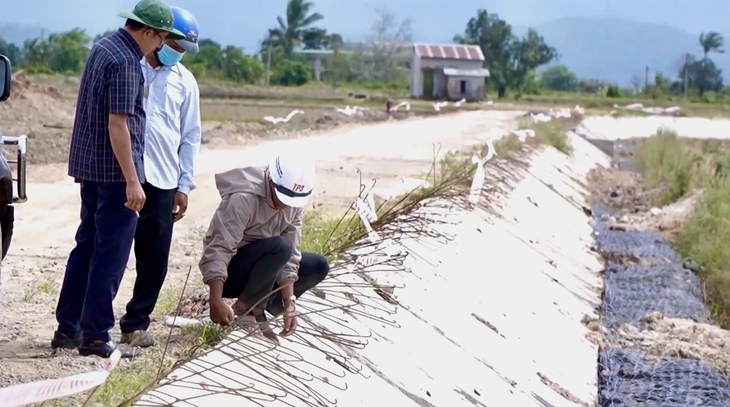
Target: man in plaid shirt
column 105, row 158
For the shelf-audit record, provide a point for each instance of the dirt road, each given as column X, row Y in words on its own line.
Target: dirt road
column 45, row 226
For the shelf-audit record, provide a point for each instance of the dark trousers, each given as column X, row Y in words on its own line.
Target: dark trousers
column 152, row 252
column 96, row 265
column 253, row 271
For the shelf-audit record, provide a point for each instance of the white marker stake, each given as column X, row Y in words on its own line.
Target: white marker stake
column 37, row 392
column 360, row 208
column 491, row 152
column 370, row 201
column 478, row 182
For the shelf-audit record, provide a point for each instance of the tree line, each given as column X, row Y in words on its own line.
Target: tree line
column 297, row 50
column 277, row 62
column 697, row 77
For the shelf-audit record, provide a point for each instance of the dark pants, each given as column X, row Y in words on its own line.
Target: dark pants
column 152, row 251
column 253, row 271
column 96, row 265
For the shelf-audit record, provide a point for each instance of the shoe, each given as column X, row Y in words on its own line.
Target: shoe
column 63, row 341
column 140, row 337
column 104, row 349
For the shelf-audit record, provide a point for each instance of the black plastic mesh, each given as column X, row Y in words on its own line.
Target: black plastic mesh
column 655, row 281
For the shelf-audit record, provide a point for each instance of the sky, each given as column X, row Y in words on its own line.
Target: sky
column 244, row 22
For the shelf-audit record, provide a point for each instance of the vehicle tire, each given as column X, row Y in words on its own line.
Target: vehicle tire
column 6, row 229
column 1, row 265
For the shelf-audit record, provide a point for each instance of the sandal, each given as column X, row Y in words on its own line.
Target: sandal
column 265, row 328
column 252, row 324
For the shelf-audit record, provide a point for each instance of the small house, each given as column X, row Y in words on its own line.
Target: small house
column 448, row 71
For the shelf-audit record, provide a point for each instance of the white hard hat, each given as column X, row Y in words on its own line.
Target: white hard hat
column 293, row 176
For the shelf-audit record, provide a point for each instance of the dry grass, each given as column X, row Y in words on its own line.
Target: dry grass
column 601, row 103
column 316, row 91
column 681, row 166
column 240, row 111
column 344, row 94
column 39, row 291
column 250, row 110
column 553, row 133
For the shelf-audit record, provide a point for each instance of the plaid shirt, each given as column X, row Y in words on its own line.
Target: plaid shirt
column 112, row 83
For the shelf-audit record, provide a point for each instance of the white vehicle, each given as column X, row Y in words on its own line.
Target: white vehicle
column 10, row 193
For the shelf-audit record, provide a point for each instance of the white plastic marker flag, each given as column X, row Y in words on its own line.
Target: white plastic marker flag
column 478, row 182
column 276, row 120
column 370, row 201
column 491, row 152
column 522, row 135
column 37, row 392
column 370, row 260
column 362, row 211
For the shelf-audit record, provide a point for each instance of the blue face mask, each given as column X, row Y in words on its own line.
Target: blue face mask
column 168, row 56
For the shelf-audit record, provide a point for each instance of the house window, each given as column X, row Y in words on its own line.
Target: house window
column 462, row 87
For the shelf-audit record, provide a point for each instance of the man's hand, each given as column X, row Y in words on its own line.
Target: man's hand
column 290, row 319
column 221, row 313
column 135, row 196
column 180, row 206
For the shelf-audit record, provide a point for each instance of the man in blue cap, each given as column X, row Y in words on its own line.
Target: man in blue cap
column 105, row 158
column 172, row 140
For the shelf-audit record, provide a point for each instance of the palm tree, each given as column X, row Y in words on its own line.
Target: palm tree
column 291, row 30
column 712, row 42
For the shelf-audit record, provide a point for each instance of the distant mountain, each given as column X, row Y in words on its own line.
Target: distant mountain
column 615, row 49
column 17, row 33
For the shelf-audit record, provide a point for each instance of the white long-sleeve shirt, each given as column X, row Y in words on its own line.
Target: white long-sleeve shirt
column 173, row 132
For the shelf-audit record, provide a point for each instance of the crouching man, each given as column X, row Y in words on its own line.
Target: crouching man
column 251, row 250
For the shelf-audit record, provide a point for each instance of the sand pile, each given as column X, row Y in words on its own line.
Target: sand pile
column 22, row 85
column 43, row 114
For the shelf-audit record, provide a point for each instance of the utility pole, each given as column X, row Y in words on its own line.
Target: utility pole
column 646, row 79
column 686, row 74
column 268, row 64
column 334, row 66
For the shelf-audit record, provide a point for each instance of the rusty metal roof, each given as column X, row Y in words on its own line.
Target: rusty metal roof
column 449, row 51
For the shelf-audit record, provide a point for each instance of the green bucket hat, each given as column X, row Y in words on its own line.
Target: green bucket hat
column 154, row 14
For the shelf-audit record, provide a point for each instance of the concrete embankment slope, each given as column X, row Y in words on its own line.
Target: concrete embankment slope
column 617, row 128
column 488, row 315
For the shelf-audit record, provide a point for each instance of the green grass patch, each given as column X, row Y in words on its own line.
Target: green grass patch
column 322, row 233
column 621, row 112
column 124, row 382
column 553, row 133
column 39, row 290
column 680, row 167
column 704, row 237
